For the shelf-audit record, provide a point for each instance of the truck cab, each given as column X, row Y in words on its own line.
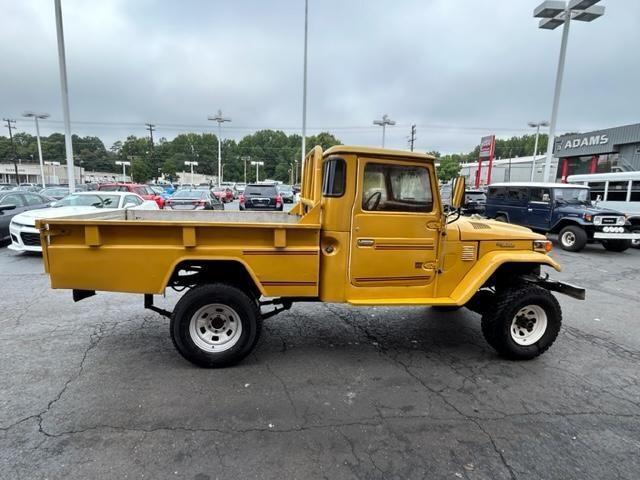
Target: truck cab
column 560, row 208
column 369, row 229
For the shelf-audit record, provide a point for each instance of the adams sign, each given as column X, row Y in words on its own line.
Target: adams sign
column 581, row 142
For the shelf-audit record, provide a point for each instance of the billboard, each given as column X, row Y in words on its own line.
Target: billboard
column 487, row 146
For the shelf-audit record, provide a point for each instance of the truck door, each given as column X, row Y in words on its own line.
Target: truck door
column 539, row 208
column 395, row 221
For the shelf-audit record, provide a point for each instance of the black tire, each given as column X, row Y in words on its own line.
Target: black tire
column 497, row 324
column 501, row 218
column 616, row 245
column 246, row 309
column 572, row 238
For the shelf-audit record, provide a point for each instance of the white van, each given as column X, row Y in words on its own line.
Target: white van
column 617, row 191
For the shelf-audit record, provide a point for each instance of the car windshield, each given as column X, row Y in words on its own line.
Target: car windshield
column 189, row 194
column 571, row 195
column 285, row 188
column 98, row 201
column 55, row 191
column 109, row 188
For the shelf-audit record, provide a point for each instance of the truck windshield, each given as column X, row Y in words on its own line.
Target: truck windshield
column 571, row 195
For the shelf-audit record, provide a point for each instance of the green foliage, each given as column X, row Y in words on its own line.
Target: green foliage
column 449, row 167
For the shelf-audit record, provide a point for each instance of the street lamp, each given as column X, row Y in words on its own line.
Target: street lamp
column 245, row 159
column 383, row 123
column 257, row 164
column 54, row 165
column 195, row 164
column 537, row 126
column 304, row 87
column 37, row 116
column 124, row 169
column 220, row 119
column 554, row 13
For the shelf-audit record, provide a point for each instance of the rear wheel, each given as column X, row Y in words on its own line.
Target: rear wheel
column 524, row 324
column 215, row 325
column 616, row 245
column 572, row 238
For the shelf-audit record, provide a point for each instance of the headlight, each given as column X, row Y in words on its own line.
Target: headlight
column 621, row 221
column 597, row 221
column 543, row 246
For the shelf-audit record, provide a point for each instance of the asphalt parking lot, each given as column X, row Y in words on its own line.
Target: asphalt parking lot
column 96, row 390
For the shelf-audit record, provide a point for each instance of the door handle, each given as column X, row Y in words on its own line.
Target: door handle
column 365, row 242
column 529, row 209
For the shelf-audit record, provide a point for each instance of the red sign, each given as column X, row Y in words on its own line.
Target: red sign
column 487, row 146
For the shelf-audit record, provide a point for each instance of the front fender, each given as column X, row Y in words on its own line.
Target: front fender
column 487, row 266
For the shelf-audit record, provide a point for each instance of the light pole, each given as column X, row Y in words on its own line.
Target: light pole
column 220, row 119
column 245, row 159
column 222, row 174
column 553, row 14
column 537, row 126
column 124, row 164
column 37, row 116
column 304, row 86
column 383, row 123
column 257, row 164
column 54, row 165
column 62, row 63
column 194, row 164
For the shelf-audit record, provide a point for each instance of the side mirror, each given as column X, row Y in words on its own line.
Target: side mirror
column 6, row 207
column 457, row 193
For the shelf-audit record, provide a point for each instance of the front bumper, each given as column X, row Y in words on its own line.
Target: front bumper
column 24, row 238
column 616, row 236
column 561, row 287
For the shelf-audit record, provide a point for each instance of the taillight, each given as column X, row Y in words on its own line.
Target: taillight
column 241, row 198
column 278, row 200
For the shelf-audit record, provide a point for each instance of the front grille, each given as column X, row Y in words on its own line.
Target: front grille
column 480, row 226
column 468, row 253
column 608, row 220
column 30, row 239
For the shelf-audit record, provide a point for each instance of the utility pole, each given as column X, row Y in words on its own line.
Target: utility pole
column 412, row 137
column 220, row 119
column 13, row 147
column 151, row 127
column 383, row 123
column 245, row 159
column 304, row 88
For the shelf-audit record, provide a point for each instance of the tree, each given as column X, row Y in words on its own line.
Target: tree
column 449, row 167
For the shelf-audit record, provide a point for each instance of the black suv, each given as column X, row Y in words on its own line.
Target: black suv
column 261, row 196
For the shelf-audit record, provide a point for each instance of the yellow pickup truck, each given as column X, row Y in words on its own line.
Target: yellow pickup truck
column 369, row 229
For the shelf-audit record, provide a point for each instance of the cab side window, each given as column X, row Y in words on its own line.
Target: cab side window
column 396, row 188
column 132, row 199
column 517, row 194
column 539, row 195
column 13, row 199
column 33, row 199
column 333, row 177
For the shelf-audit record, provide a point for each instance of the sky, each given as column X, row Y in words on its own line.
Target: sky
column 458, row 69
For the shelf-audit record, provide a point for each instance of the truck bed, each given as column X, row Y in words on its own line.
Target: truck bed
column 139, row 251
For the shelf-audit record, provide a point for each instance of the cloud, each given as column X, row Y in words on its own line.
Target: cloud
column 458, row 70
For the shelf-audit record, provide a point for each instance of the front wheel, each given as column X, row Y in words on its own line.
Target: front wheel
column 524, row 324
column 616, row 245
column 572, row 238
column 635, row 243
column 215, row 325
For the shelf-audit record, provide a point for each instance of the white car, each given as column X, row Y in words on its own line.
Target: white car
column 26, row 238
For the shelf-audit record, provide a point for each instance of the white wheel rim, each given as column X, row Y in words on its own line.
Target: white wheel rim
column 215, row 327
column 568, row 239
column 528, row 325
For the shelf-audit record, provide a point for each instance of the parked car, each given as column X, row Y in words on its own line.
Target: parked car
column 240, row 188
column 7, row 186
column 15, row 202
column 559, row 208
column 224, row 194
column 142, row 190
column 193, row 199
column 232, row 186
column 55, row 193
column 25, row 237
column 28, row 187
column 286, row 192
column 474, row 202
column 261, row 196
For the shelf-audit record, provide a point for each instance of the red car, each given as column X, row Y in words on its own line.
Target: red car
column 142, row 190
column 224, row 194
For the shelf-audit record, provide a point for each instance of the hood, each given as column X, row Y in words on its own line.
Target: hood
column 590, row 209
column 483, row 229
column 29, row 217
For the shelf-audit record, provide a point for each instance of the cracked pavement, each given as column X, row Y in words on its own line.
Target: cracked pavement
column 96, row 390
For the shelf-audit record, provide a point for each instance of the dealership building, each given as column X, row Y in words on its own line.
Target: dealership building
column 601, row 151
